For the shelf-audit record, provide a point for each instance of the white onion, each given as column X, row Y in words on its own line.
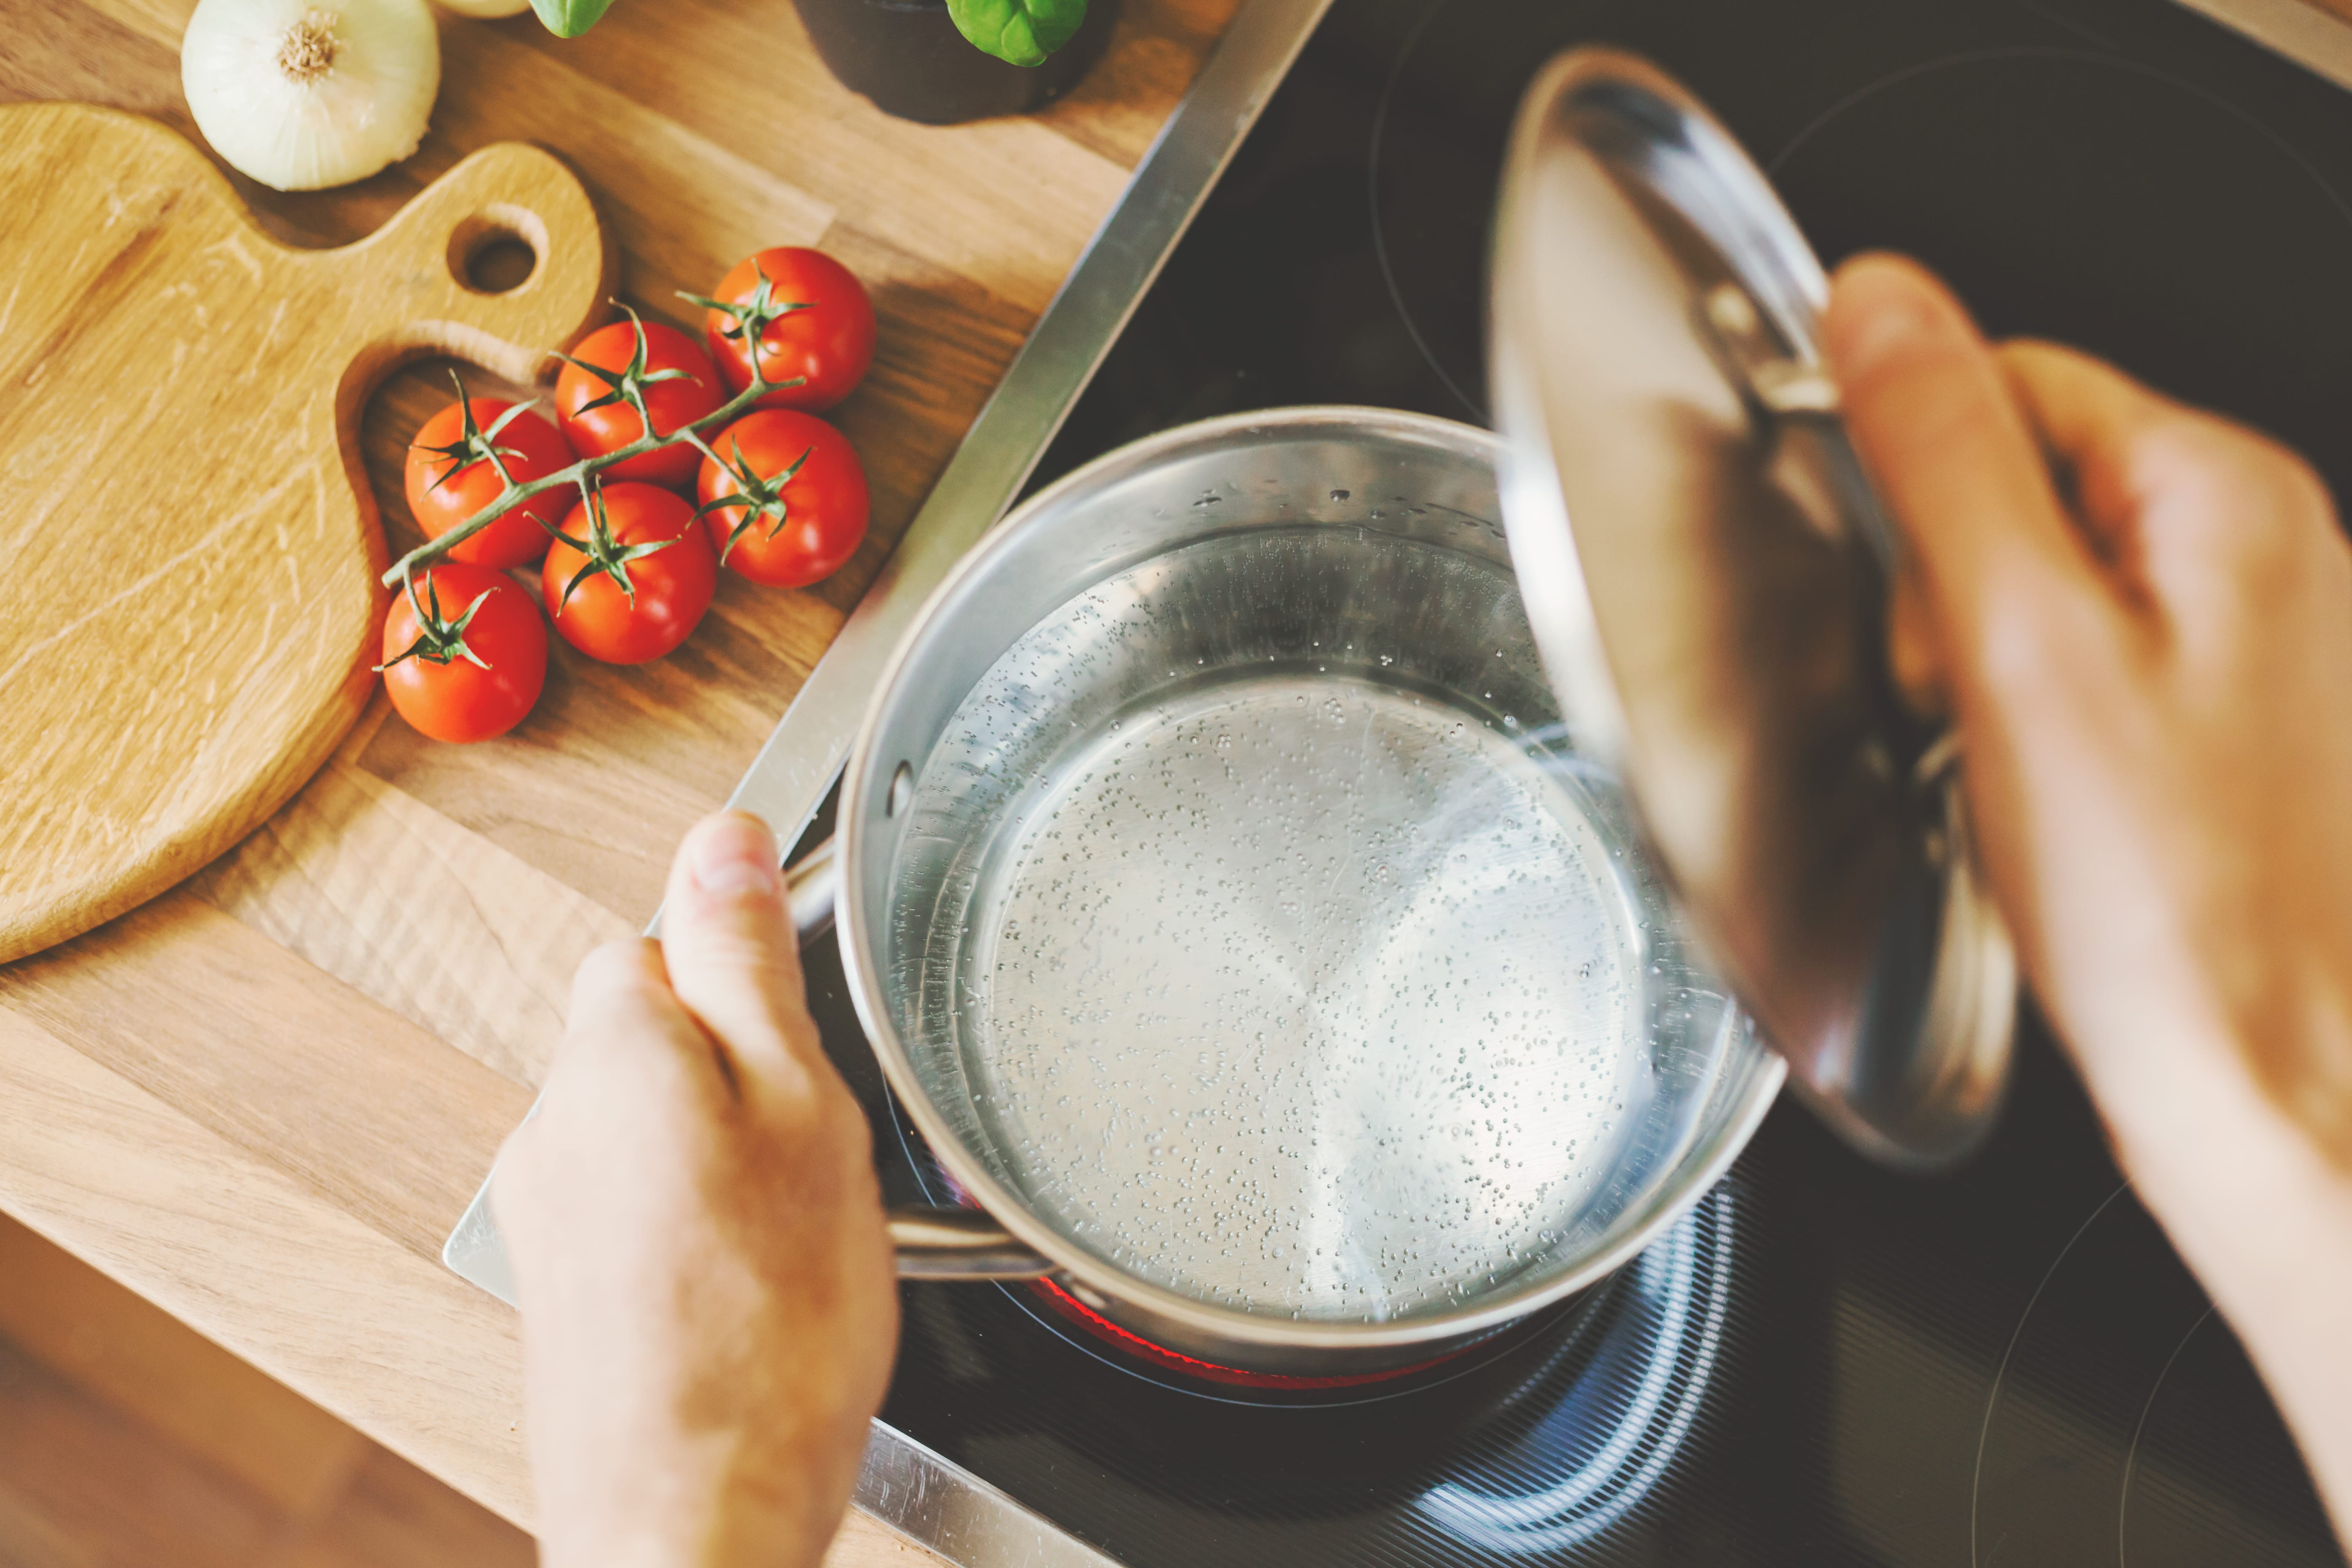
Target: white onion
column 303, row 94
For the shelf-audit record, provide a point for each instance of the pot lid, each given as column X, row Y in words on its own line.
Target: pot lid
column 1705, row 568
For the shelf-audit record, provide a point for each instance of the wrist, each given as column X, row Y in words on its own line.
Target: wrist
column 729, row 1509
column 2262, row 1216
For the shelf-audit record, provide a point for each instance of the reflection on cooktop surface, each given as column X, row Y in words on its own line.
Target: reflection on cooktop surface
column 1825, row 1364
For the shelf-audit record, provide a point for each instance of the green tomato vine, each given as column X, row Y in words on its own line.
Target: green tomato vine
column 626, row 384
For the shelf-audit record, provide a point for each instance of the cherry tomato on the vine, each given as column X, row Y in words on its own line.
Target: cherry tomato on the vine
column 653, row 539
column 803, row 512
column 443, row 494
column 828, row 343
column 471, row 665
column 689, row 388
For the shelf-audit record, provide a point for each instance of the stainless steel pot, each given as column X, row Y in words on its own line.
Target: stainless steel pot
column 1244, row 926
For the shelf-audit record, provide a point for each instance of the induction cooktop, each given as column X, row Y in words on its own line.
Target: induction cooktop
column 1823, row 1363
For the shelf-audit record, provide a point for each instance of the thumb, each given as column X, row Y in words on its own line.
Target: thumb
column 733, row 957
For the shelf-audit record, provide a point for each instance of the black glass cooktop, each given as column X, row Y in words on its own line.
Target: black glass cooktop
column 1823, row 1364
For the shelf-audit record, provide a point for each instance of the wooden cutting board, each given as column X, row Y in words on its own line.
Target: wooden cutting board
column 188, row 545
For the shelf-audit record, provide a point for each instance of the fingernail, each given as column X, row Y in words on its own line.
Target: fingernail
column 733, row 854
column 1881, row 308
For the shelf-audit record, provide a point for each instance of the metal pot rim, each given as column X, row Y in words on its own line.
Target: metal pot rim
column 1071, row 1261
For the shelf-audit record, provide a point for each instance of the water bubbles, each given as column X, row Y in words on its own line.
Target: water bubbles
column 1337, row 947
column 1299, row 992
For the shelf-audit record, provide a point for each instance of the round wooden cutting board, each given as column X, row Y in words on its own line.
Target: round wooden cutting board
column 188, row 545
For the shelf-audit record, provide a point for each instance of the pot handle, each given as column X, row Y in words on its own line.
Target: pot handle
column 961, row 1244
column 810, row 886
column 932, row 1243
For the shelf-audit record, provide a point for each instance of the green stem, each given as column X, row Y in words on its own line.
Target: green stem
column 514, row 495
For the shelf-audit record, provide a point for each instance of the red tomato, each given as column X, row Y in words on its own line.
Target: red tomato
column 804, row 527
column 436, row 687
column 693, row 393
column 828, row 345
column 442, row 495
column 672, row 582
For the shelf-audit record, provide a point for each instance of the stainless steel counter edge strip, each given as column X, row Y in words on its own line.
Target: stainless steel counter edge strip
column 788, row 780
column 944, row 1508
column 924, row 1496
column 931, row 1501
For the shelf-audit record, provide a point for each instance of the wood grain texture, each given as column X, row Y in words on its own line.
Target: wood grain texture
column 193, row 1393
column 131, row 1440
column 279, row 1268
column 262, row 1100
column 151, row 715
column 123, row 1178
column 62, row 1500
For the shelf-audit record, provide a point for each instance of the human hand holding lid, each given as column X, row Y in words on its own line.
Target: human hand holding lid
column 2141, row 616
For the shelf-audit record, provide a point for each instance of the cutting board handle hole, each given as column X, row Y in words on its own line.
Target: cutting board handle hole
column 497, row 250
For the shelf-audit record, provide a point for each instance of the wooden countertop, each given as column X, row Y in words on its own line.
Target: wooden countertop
column 263, row 1099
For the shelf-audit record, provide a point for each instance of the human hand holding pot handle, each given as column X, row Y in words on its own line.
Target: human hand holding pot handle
column 709, row 1305
column 2140, row 617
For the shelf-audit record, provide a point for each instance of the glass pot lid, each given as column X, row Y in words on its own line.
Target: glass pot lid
column 1706, row 570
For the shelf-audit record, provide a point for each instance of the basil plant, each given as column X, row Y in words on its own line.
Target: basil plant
column 1020, row 31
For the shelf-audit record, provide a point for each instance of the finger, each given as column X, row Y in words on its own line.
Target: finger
column 1913, row 652
column 2202, row 518
column 732, row 955
column 623, row 1008
column 2005, row 572
column 2088, row 416
column 625, row 976
column 627, row 1041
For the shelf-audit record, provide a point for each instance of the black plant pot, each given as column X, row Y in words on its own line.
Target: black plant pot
column 907, row 56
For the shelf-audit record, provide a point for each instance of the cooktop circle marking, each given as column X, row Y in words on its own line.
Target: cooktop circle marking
column 2085, row 57
column 1476, row 406
column 1993, row 1396
column 2122, row 267
column 2131, row 1454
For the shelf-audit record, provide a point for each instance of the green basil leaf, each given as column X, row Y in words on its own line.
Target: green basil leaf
column 570, row 18
column 1020, row 31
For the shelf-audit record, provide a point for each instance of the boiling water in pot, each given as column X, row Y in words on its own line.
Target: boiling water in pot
column 1293, row 963
column 1308, row 993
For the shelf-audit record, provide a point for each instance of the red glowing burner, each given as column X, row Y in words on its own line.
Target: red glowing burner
column 1072, row 1310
